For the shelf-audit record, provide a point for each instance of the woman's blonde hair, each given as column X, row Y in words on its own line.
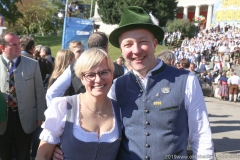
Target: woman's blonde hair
column 62, row 61
column 91, row 58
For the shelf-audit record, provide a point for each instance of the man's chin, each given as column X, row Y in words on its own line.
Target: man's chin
column 140, row 70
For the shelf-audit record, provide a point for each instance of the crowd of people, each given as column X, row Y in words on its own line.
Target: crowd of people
column 170, row 38
column 99, row 109
column 75, row 6
column 214, row 52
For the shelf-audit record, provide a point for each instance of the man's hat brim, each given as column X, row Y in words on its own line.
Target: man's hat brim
column 154, row 29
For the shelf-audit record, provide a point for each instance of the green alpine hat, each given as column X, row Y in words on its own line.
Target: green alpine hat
column 135, row 17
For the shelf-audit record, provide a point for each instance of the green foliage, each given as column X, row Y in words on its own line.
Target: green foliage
column 184, row 25
column 110, row 11
column 54, row 42
column 38, row 17
column 10, row 11
column 164, row 10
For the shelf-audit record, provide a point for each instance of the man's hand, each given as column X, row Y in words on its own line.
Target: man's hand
column 58, row 154
column 39, row 123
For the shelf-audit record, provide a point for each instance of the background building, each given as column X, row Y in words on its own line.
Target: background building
column 188, row 9
column 215, row 11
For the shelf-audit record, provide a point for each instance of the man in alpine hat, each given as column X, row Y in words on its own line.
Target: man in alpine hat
column 161, row 106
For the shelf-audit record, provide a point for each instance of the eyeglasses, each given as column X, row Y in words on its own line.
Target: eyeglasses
column 13, row 45
column 90, row 77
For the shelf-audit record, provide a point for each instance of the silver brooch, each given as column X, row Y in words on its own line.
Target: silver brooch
column 166, row 90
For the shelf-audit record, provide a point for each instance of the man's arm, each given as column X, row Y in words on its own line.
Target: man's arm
column 111, row 92
column 59, row 87
column 207, row 68
column 200, row 135
column 229, row 80
column 215, row 68
column 48, row 67
column 39, row 93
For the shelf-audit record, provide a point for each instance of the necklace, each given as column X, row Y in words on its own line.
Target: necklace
column 95, row 112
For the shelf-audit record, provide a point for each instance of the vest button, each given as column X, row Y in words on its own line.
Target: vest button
column 146, row 111
column 147, row 134
column 147, row 123
column 147, row 145
column 146, row 157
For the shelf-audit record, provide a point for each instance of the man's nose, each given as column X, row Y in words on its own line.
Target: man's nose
column 136, row 48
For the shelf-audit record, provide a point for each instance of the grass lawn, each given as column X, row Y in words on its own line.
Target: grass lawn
column 55, row 43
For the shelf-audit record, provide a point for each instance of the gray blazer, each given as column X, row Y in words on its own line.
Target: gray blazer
column 29, row 90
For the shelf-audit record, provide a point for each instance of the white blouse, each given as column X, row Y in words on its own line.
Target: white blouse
column 54, row 124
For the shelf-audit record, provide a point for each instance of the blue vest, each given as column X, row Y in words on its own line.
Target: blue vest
column 75, row 149
column 202, row 68
column 155, row 122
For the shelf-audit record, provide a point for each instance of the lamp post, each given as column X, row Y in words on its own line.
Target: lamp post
column 91, row 9
column 1, row 24
column 66, row 8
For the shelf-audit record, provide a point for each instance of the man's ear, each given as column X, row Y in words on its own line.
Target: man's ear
column 106, row 48
column 2, row 47
column 155, row 43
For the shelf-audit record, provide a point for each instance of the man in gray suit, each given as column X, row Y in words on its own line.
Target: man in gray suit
column 22, row 87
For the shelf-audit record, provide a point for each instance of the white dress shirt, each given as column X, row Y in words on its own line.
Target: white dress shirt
column 222, row 49
column 54, row 125
column 234, row 80
column 200, row 135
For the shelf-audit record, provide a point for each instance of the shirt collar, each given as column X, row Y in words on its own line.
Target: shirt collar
column 159, row 65
column 7, row 60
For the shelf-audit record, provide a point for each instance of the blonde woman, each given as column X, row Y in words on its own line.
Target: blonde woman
column 62, row 61
column 86, row 125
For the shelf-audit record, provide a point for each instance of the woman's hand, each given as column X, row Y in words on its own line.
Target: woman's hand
column 57, row 154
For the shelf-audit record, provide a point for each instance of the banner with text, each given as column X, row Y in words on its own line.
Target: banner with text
column 76, row 29
column 226, row 11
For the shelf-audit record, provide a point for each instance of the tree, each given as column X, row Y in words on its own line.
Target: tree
column 110, row 11
column 163, row 10
column 9, row 10
column 37, row 16
column 186, row 27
